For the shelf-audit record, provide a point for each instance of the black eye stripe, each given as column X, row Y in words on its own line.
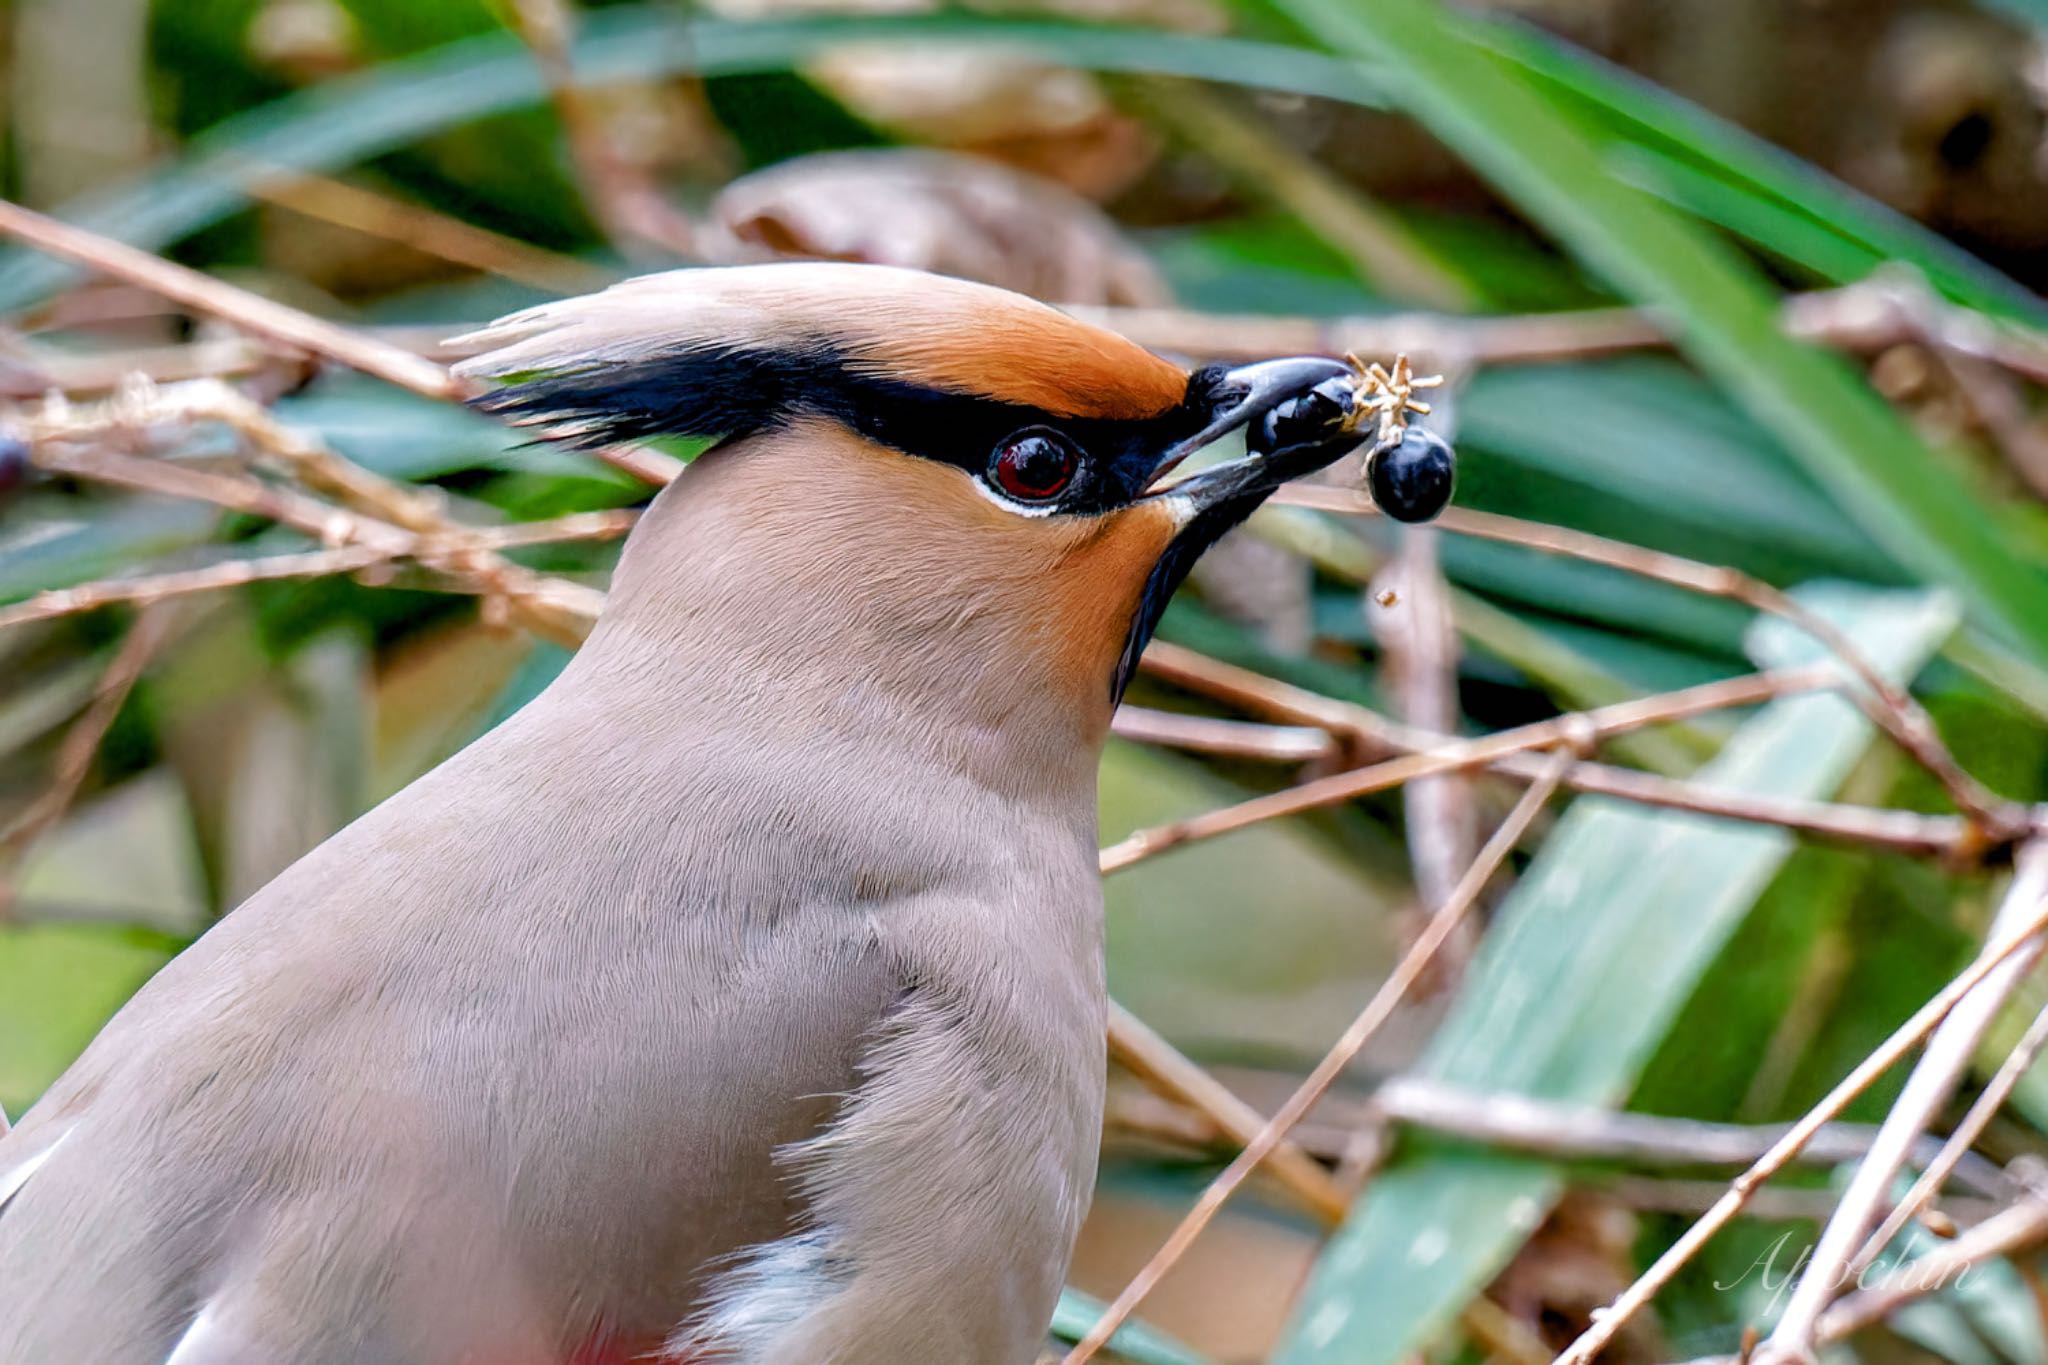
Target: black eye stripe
column 736, row 392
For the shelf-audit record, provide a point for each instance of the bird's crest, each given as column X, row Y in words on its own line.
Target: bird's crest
column 724, row 351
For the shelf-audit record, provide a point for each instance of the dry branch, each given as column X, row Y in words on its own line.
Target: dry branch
column 389, row 519
column 1372, row 734
column 1460, row 756
column 2022, row 1225
column 1956, row 1149
column 1229, row 738
column 1547, row 1128
column 233, row 573
column 1948, row 1053
column 250, row 312
column 277, row 322
column 1166, row 1070
column 1376, row 1013
column 82, row 742
column 1891, row 707
column 1904, row 1039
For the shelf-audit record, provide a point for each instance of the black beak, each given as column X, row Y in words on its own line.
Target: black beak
column 1295, row 409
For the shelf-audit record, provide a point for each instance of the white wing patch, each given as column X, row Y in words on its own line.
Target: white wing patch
column 210, row 1341
column 11, row 1181
column 752, row 1307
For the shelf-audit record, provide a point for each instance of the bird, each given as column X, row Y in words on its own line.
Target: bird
column 741, row 997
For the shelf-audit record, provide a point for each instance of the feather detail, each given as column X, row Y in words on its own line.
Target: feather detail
column 721, row 329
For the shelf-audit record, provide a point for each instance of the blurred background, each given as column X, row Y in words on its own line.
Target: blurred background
column 1753, row 286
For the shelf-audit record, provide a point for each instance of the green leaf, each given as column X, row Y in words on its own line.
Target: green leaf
column 1676, row 130
column 1591, row 958
column 54, row 543
column 59, row 983
column 395, row 104
column 1723, row 313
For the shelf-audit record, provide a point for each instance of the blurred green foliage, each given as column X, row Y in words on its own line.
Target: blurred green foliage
column 1734, row 977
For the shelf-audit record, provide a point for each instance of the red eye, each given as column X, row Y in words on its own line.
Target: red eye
column 1035, row 464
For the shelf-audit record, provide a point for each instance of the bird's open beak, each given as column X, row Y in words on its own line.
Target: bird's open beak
column 1299, row 440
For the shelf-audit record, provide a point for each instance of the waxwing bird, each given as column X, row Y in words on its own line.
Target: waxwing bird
column 740, row 999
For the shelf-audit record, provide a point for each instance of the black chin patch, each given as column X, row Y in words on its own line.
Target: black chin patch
column 1209, row 525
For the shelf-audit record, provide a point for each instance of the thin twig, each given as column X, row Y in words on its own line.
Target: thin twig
column 2023, row 1225
column 277, row 322
column 1229, row 738
column 250, row 312
column 1164, row 1068
column 1936, row 1171
column 1862, row 316
column 554, row 607
column 1372, row 734
column 1425, row 336
column 1928, row 1087
column 625, row 202
column 234, row 573
column 1895, row 304
column 1554, row 1129
column 424, row 230
column 1419, row 672
column 1361, row 1031
column 397, row 521
column 82, row 741
column 1462, row 755
column 1179, row 1081
column 1582, row 1132
column 82, row 374
column 1892, row 708
column 1609, row 1321
column 1771, row 1204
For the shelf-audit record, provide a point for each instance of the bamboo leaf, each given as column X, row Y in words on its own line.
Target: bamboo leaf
column 1720, row 307
column 341, row 122
column 1792, row 205
column 1590, row 959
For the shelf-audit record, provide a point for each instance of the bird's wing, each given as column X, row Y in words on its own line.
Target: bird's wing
column 532, row 1032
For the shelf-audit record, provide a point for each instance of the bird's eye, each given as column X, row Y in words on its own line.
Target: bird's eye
column 1035, row 464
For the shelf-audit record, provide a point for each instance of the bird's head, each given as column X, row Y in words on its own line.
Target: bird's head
column 956, row 469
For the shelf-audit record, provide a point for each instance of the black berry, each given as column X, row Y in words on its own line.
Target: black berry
column 1412, row 481
column 14, row 455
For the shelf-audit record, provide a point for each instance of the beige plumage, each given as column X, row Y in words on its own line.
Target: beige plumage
column 740, row 999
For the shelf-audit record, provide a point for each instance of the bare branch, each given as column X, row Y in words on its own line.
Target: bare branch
column 1231, row 738
column 1889, row 706
column 1361, row 1031
column 234, row 573
column 1932, row 1081
column 81, row 742
column 2023, row 1225
column 1903, row 1040
column 1460, row 756
column 1957, row 1148
column 251, row 312
column 277, row 322
column 396, row 521
column 1146, row 1055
